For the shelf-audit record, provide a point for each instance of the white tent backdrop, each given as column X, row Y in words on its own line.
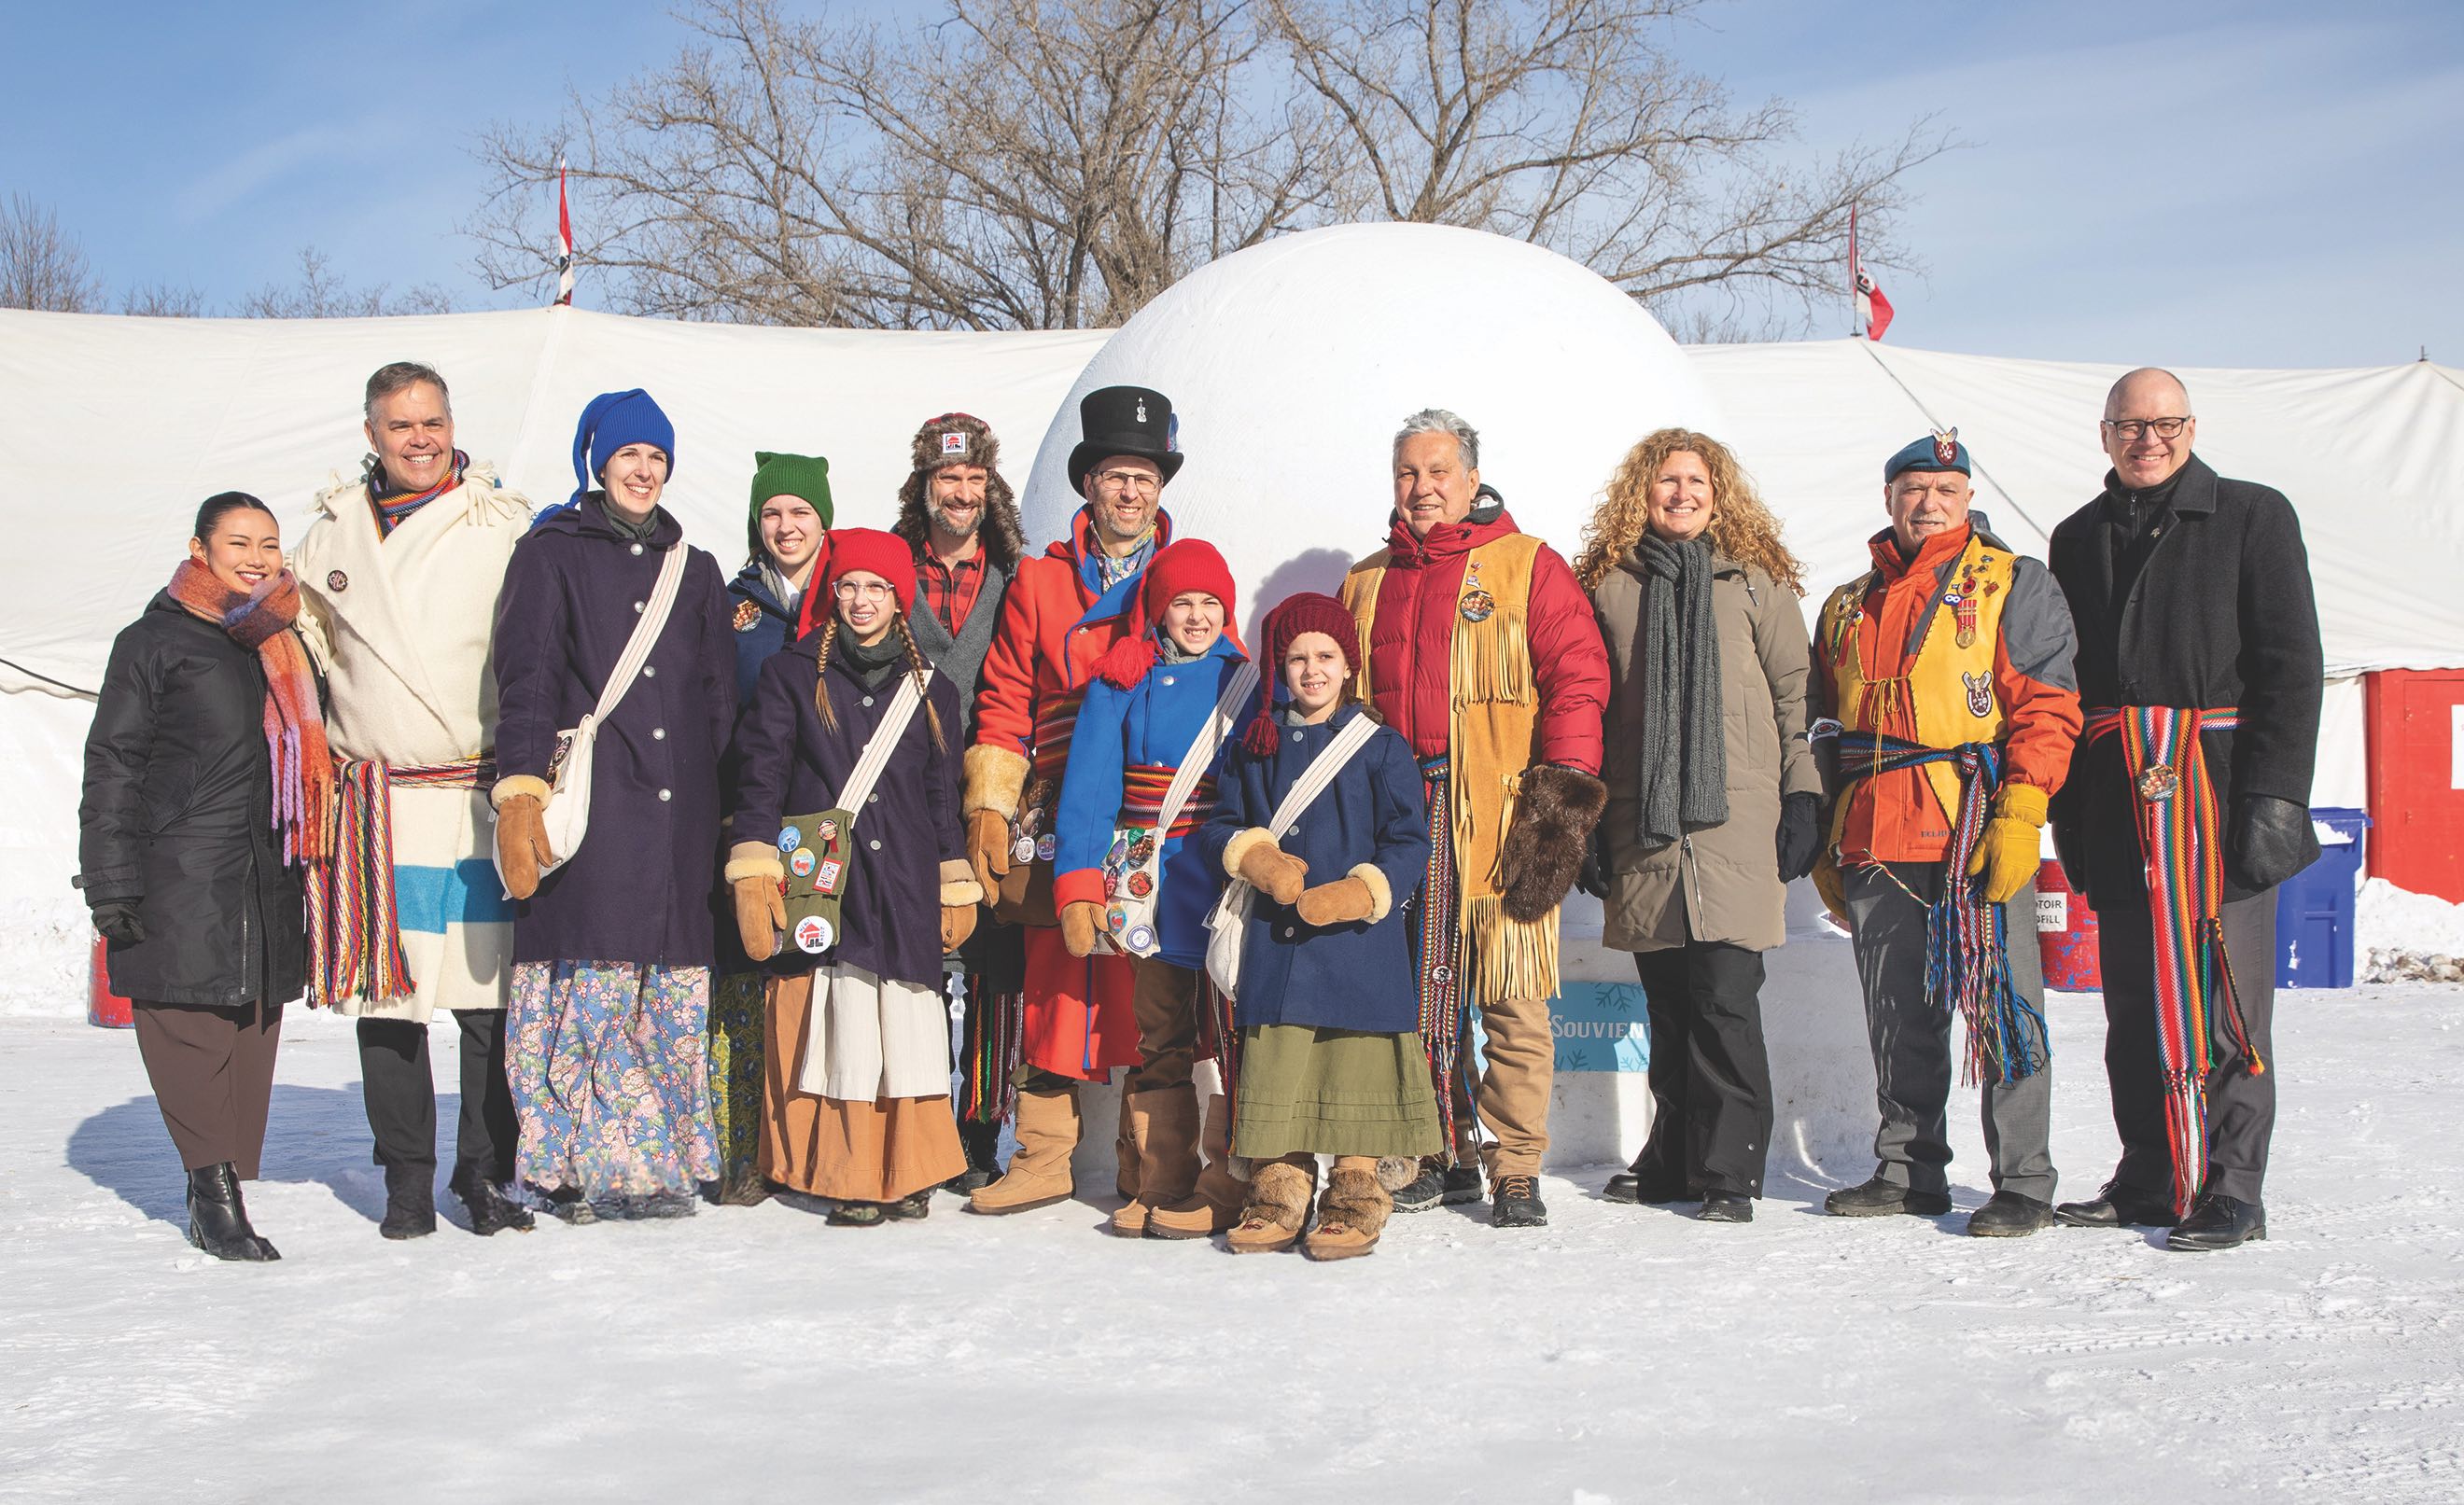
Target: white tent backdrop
column 1290, row 363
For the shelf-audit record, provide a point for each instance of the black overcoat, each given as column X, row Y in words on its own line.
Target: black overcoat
column 177, row 817
column 638, row 890
column 2221, row 613
column 793, row 765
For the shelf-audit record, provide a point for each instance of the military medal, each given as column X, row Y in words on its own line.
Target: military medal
column 747, row 614
column 1945, row 446
column 2157, row 782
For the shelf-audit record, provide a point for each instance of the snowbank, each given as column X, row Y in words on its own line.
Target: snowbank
column 2404, row 936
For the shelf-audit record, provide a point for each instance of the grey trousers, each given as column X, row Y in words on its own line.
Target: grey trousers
column 2241, row 1106
column 1911, row 1040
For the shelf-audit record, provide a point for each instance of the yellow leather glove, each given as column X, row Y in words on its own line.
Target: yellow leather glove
column 1081, row 921
column 760, row 914
column 2009, row 851
column 1827, row 883
column 988, row 848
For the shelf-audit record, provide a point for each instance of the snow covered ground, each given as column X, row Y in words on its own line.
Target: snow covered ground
column 1623, row 1354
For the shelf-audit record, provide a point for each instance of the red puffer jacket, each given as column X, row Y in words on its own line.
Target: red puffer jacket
column 1411, row 638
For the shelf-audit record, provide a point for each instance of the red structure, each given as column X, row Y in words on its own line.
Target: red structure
column 2417, row 780
column 2066, row 934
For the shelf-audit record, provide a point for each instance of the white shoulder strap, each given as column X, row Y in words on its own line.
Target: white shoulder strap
column 1321, row 773
column 881, row 744
column 1211, row 732
column 645, row 633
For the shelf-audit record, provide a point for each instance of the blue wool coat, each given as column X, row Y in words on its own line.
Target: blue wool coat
column 638, row 890
column 793, row 765
column 1356, row 976
column 1151, row 722
column 768, row 630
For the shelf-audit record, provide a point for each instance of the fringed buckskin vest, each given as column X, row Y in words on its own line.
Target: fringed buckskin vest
column 1493, row 722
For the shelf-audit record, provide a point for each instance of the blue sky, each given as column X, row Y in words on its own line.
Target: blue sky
column 2255, row 184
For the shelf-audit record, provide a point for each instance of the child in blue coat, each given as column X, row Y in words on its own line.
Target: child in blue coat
column 1330, row 1055
column 1143, row 711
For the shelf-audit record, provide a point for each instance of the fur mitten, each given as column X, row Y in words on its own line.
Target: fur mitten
column 1544, row 848
column 1271, row 870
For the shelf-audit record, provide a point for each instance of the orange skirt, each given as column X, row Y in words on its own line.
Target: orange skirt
column 875, row 1151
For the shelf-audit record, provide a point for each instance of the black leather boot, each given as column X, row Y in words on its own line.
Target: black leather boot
column 2118, row 1205
column 218, row 1219
column 490, row 1208
column 1651, row 1184
column 1726, row 1207
column 411, row 1202
column 2009, row 1214
column 1876, row 1197
column 2217, row 1221
column 982, row 1143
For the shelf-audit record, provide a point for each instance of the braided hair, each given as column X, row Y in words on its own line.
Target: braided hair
column 917, row 665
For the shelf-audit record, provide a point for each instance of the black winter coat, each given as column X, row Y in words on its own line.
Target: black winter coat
column 891, row 921
column 638, row 891
column 2221, row 613
column 177, row 817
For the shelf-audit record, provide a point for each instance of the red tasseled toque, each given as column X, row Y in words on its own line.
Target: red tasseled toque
column 853, row 549
column 1310, row 611
column 1191, row 564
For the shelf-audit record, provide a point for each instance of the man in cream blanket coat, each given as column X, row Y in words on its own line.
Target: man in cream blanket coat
column 400, row 570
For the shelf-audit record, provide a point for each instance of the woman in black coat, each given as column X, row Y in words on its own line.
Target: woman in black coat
column 208, row 791
column 612, row 950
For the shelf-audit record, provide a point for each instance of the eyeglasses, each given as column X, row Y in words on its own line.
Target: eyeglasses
column 862, row 590
column 1137, row 481
column 2129, row 430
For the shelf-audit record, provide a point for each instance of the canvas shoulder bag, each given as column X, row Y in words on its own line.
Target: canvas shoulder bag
column 819, row 850
column 1133, row 863
column 566, row 817
column 1229, row 926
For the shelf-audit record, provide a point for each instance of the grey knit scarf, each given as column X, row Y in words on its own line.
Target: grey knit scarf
column 1684, row 754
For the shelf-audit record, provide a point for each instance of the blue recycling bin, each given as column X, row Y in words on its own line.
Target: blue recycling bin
column 2314, row 907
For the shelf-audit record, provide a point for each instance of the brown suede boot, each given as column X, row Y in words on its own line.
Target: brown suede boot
column 1125, row 1146
column 1278, row 1206
column 1039, row 1174
column 1163, row 1126
column 1353, row 1212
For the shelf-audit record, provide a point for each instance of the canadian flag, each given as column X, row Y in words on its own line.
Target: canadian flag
column 564, row 244
column 1873, row 310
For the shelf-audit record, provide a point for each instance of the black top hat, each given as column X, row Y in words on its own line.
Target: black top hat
column 1125, row 419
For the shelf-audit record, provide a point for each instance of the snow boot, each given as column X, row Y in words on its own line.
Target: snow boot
column 1127, row 1151
column 1170, row 1205
column 1876, row 1197
column 913, row 1208
column 982, row 1143
column 411, row 1202
column 1725, row 1206
column 2009, row 1214
column 1517, row 1204
column 2217, row 1221
column 491, row 1209
column 218, row 1220
column 1353, row 1212
column 1278, row 1206
column 1039, row 1174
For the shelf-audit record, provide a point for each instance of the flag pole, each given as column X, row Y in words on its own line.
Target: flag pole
column 563, row 241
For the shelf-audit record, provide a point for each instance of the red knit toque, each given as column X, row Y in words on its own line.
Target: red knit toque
column 886, row 555
column 1310, row 611
column 1191, row 564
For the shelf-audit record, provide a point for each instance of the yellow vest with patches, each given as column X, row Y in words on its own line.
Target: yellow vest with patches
column 1949, row 685
column 1492, row 735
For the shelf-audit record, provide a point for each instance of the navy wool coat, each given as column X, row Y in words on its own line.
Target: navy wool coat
column 761, row 625
column 793, row 765
column 1356, row 976
column 638, row 890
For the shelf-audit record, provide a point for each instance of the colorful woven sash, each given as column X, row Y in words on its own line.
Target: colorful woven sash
column 1967, row 956
column 2198, row 1015
column 354, row 929
column 1437, row 949
column 1142, row 792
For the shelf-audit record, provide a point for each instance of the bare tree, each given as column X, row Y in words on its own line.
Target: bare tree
column 1055, row 163
column 323, row 293
column 163, row 300
column 1019, row 163
column 42, row 267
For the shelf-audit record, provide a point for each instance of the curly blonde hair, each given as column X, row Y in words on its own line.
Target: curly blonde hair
column 1742, row 528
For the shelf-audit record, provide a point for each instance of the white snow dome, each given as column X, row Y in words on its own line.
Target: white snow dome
column 1290, row 365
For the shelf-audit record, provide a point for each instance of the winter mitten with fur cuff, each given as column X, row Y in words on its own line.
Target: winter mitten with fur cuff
column 1269, row 868
column 1360, row 894
column 1543, row 847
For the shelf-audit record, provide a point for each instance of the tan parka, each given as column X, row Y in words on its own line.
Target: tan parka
column 1726, row 877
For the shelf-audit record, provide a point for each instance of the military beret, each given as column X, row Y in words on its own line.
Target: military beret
column 1941, row 450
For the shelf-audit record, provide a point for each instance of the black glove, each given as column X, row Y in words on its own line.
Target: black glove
column 1801, row 835
column 2271, row 842
column 118, row 921
column 1592, row 876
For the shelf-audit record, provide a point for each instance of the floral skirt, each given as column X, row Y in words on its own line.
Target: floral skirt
column 604, row 1060
column 739, row 1016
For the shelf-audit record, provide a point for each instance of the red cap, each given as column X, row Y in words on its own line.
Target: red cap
column 853, row 549
column 1310, row 611
column 1178, row 569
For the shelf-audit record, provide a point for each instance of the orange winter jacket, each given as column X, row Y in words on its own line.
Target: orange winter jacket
column 1885, row 620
